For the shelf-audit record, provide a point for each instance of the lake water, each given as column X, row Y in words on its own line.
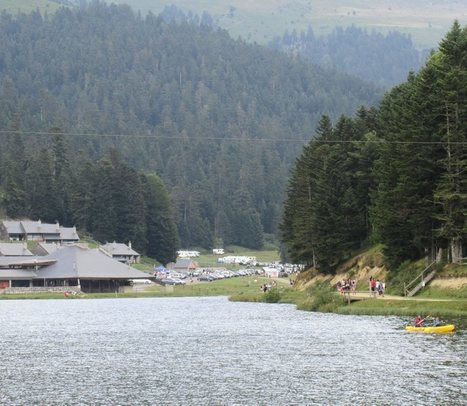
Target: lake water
column 209, row 351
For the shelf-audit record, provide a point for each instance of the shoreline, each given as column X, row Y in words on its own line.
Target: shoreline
column 320, row 299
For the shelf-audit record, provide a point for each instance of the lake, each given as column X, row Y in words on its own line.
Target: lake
column 209, row 351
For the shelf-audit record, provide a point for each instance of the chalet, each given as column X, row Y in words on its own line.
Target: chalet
column 68, row 235
column 14, row 250
column 121, row 252
column 185, row 265
column 38, row 231
column 13, row 229
column 70, row 268
column 27, row 230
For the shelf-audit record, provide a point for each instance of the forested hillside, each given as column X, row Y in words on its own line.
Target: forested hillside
column 385, row 60
column 220, row 121
column 395, row 175
column 107, row 199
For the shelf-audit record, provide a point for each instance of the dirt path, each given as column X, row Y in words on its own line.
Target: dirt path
column 367, row 295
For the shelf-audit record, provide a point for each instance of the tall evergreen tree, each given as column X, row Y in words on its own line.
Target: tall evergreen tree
column 103, row 212
column 450, row 68
column 161, row 232
column 63, row 177
column 42, row 192
column 419, row 203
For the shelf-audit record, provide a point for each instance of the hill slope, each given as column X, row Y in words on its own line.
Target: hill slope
column 219, row 120
column 260, row 21
column 26, row 6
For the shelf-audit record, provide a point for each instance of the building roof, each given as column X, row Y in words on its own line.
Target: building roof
column 33, row 261
column 75, row 261
column 119, row 249
column 17, row 274
column 37, row 227
column 47, row 247
column 52, row 231
column 185, row 263
column 13, row 227
column 14, row 249
column 68, row 234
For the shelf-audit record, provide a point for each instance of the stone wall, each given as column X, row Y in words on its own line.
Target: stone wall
column 41, row 289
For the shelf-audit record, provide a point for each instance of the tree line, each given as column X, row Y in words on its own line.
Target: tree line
column 219, row 120
column 106, row 199
column 395, row 175
column 386, row 60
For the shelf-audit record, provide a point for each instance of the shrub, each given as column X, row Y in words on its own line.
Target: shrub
column 324, row 298
column 272, row 296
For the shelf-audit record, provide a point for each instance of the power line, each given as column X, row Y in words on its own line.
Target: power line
column 242, row 139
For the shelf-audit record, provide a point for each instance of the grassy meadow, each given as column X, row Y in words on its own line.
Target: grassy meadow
column 260, row 21
column 241, row 286
column 27, row 6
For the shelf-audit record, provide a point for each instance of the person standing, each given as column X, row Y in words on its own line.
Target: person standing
column 373, row 286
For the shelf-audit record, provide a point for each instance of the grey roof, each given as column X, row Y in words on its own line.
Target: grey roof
column 185, row 263
column 68, row 234
column 17, row 274
column 13, row 226
column 75, row 261
column 14, row 249
column 25, row 261
column 119, row 249
column 48, row 247
column 37, row 227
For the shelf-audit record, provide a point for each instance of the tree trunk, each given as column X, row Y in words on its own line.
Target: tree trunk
column 456, row 250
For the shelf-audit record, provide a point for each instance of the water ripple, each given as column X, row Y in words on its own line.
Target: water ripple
column 208, row 351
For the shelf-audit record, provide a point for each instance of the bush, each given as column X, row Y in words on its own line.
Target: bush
column 272, row 296
column 323, row 298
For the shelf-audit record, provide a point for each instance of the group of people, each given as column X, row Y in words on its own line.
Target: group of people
column 427, row 321
column 346, row 285
column 376, row 286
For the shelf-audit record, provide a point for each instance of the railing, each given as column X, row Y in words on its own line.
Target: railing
column 420, row 281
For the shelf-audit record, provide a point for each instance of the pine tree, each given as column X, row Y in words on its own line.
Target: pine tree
column 161, row 232
column 42, row 192
column 103, row 213
column 62, row 174
column 451, row 191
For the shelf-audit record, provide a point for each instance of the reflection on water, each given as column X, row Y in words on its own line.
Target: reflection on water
column 208, row 351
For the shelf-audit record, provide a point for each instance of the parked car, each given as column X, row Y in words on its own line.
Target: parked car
column 206, row 278
column 140, row 281
column 172, row 281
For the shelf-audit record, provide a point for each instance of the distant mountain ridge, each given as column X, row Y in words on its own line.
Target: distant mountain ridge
column 385, row 60
column 261, row 21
